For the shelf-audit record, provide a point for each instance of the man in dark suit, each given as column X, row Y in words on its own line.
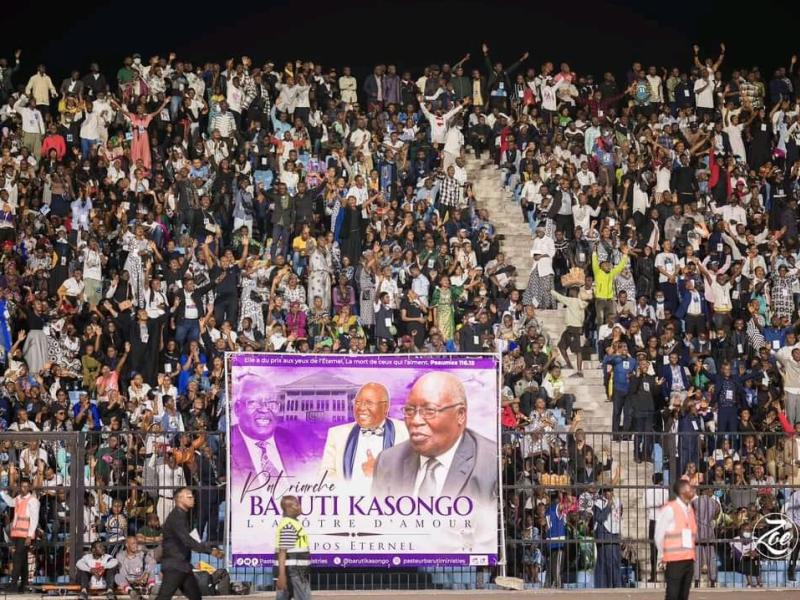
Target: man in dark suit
column 373, row 89
column 442, row 457
column 693, row 310
column 187, row 308
column 177, row 545
column 258, row 445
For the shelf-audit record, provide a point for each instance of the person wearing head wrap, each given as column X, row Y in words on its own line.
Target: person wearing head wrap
column 540, row 283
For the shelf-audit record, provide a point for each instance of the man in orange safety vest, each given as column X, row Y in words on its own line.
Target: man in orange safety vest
column 23, row 530
column 676, row 538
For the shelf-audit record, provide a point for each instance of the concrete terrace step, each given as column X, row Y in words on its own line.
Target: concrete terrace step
column 589, row 391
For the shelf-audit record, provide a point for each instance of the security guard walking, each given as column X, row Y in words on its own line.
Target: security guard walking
column 292, row 554
column 676, row 538
column 177, row 546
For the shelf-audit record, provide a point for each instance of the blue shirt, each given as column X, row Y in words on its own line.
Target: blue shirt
column 623, row 366
column 557, row 524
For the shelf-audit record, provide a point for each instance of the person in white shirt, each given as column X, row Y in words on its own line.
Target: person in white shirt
column 22, row 423
column 106, row 115
column 170, row 478
column 654, row 498
column 789, row 362
column 585, row 177
column 731, row 212
column 32, row 126
column 678, row 573
column 358, row 191
column 81, row 212
column 96, row 571
column 530, row 190
column 115, row 171
column 73, row 288
column 607, row 529
column 90, row 129
column 29, row 458
column 285, row 102
column 583, row 213
column 453, row 142
column 440, row 122
column 656, row 89
column 22, row 530
column 155, row 302
column 234, row 96
column 360, row 137
column 351, row 449
column 302, row 102
column 704, row 93
column 667, row 266
column 348, row 86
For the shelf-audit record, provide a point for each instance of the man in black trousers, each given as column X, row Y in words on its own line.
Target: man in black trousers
column 177, row 546
column 676, row 540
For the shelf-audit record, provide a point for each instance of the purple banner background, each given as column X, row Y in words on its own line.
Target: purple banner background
column 366, row 361
column 301, row 437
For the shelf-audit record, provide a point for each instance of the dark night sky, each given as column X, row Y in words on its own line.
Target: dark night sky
column 591, row 36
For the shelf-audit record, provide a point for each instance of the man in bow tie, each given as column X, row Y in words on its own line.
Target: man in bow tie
column 351, row 449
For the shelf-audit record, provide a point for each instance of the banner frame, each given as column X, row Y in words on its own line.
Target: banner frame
column 496, row 356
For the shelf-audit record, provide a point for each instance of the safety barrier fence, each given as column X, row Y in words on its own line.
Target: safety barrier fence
column 579, row 507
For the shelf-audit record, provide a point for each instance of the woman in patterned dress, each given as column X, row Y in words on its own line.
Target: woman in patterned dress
column 366, row 287
column 781, row 292
column 444, row 302
column 320, row 271
column 63, row 346
column 255, row 292
column 294, row 292
column 137, row 247
column 755, row 327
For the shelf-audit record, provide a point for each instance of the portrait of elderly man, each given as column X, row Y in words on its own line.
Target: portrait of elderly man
column 442, row 456
column 259, row 445
column 352, row 448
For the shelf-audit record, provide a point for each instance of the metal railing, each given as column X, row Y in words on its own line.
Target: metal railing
column 555, row 483
column 558, row 483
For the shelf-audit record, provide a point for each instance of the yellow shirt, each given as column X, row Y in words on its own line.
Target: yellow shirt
column 604, row 282
column 299, row 244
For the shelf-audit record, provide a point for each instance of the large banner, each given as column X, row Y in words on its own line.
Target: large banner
column 394, row 457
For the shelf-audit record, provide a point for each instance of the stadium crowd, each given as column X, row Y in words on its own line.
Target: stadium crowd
column 156, row 219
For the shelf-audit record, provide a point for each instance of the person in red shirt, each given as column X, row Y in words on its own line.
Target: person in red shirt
column 54, row 141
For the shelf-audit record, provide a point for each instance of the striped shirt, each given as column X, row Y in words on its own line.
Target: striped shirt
column 225, row 123
column 288, row 537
